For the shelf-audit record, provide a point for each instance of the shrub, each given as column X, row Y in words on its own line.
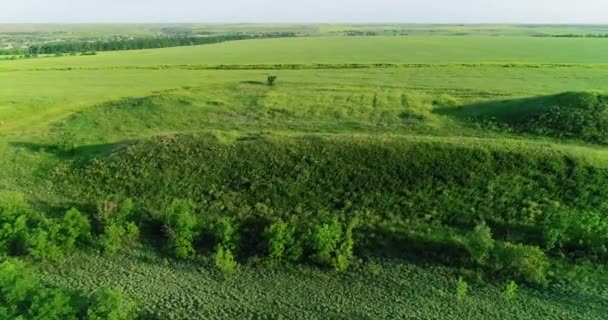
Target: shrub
column 480, row 243
column 111, row 305
column 271, row 80
column 75, row 227
column 326, row 238
column 527, row 263
column 114, row 210
column 117, row 237
column 22, row 295
column 52, row 304
column 14, row 234
column 511, row 290
column 180, row 225
column 12, row 204
column 462, row 289
column 333, row 243
column 282, row 243
column 43, row 245
column 225, row 232
column 118, row 231
column 224, row 260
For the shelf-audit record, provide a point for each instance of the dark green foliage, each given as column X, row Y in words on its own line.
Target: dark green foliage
column 75, row 228
column 90, row 47
column 398, row 181
column 110, row 304
column 22, row 296
column 24, row 231
column 480, row 244
column 118, row 232
column 525, row 263
column 271, row 80
column 181, row 228
column 226, row 233
column 573, row 115
column 530, row 197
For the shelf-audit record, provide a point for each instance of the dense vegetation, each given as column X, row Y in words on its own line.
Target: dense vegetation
column 573, row 115
column 140, row 43
column 22, row 296
column 331, row 194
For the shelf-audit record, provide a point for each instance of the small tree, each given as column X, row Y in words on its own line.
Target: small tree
column 271, row 80
column 282, row 242
column 511, row 290
column 224, row 260
column 480, row 243
column 462, row 289
column 180, row 224
column 111, row 304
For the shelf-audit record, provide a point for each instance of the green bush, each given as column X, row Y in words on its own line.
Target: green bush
column 110, row 304
column 462, row 289
column 224, row 260
column 282, row 242
column 117, row 237
column 332, row 242
column 25, row 231
column 43, row 244
column 118, row 231
column 75, row 228
column 526, row 263
column 181, row 228
column 226, row 233
column 22, row 296
column 479, row 244
column 511, row 290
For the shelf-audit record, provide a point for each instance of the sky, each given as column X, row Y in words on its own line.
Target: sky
column 412, row 11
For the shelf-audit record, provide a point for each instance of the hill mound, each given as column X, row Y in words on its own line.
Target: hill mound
column 571, row 115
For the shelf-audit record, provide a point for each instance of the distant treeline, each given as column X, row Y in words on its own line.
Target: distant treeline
column 136, row 43
column 590, row 35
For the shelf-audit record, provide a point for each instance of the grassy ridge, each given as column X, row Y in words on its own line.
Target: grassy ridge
column 526, row 196
column 582, row 115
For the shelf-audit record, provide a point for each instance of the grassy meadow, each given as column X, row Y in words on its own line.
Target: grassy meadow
column 453, row 172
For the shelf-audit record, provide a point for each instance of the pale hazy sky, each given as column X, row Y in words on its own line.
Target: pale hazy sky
column 438, row 11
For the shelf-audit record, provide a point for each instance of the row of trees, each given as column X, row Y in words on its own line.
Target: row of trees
column 573, row 35
column 141, row 43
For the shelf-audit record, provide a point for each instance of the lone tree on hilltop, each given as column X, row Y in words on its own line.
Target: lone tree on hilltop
column 271, row 80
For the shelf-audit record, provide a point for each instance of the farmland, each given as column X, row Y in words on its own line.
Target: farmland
column 436, row 171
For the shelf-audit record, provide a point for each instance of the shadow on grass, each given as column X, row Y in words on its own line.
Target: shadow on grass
column 260, row 83
column 509, row 110
column 80, row 152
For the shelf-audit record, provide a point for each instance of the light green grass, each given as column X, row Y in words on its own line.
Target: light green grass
column 32, row 98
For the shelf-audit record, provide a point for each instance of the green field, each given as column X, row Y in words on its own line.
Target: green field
column 344, row 50
column 454, row 152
